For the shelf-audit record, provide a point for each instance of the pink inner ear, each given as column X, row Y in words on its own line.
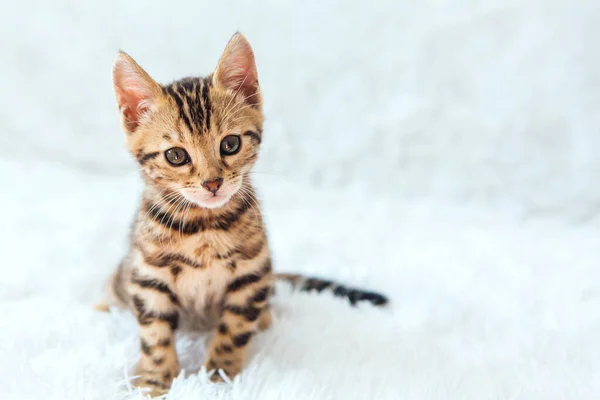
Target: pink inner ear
column 237, row 71
column 244, row 82
column 131, row 105
column 133, row 89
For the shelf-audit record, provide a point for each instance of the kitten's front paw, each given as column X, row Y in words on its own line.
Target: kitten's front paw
column 230, row 367
column 156, row 389
column 158, row 381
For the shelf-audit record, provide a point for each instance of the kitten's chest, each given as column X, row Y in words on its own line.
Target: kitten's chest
column 201, row 289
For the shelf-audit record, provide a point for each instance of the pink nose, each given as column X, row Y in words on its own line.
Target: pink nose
column 213, row 185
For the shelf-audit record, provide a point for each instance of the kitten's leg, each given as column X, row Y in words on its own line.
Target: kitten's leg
column 245, row 301
column 155, row 306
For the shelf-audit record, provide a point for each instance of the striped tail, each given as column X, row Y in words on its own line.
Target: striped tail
column 308, row 284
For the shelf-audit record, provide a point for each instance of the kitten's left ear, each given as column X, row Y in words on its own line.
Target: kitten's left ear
column 236, row 70
column 136, row 92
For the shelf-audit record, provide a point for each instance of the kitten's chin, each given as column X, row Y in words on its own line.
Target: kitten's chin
column 208, row 202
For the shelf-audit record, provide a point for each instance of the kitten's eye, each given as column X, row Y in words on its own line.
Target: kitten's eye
column 177, row 156
column 230, row 145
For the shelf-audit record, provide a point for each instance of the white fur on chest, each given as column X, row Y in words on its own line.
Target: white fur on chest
column 196, row 288
column 201, row 290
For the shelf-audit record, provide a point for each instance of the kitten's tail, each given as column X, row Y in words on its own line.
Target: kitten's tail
column 308, row 284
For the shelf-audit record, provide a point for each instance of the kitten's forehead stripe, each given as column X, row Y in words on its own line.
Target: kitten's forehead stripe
column 192, row 102
column 206, row 102
column 186, row 110
column 192, row 96
column 172, row 91
column 196, row 110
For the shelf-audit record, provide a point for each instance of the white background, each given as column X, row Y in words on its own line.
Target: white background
column 444, row 152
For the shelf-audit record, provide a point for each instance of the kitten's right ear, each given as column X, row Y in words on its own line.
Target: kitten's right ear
column 135, row 90
column 236, row 70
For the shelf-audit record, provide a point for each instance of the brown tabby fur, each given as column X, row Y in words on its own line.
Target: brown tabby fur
column 190, row 266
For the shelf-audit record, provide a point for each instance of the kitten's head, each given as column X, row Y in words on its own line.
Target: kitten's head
column 197, row 137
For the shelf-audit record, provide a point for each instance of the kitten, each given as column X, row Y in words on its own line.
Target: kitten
column 198, row 257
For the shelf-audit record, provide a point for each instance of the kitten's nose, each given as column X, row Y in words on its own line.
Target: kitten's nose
column 213, row 185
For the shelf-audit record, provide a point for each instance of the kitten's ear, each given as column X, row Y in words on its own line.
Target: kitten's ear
column 236, row 69
column 135, row 90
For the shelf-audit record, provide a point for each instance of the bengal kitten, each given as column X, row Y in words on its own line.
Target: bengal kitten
column 198, row 256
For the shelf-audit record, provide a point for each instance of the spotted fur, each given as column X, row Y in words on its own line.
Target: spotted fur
column 195, row 262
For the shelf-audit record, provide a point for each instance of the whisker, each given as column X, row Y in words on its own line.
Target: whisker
column 163, row 228
column 157, row 203
column 189, row 205
column 238, row 119
column 235, row 95
column 181, row 203
column 235, row 111
column 233, row 108
column 249, row 198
